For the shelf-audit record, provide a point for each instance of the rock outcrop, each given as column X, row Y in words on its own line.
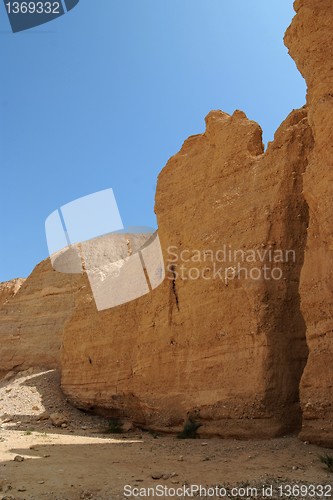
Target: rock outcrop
column 234, row 354
column 32, row 320
column 310, row 41
column 9, row 288
column 229, row 349
column 239, row 336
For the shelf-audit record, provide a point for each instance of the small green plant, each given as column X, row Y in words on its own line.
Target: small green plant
column 29, row 432
column 327, row 460
column 190, row 430
column 114, row 426
column 154, row 434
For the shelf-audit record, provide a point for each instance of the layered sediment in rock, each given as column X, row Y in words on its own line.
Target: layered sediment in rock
column 310, row 41
column 227, row 348
column 32, row 320
column 239, row 336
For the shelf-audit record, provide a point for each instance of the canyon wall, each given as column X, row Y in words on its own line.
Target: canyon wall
column 228, row 349
column 32, row 319
column 234, row 352
column 310, row 41
column 239, row 334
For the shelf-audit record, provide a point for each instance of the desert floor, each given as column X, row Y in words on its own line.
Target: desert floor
column 81, row 461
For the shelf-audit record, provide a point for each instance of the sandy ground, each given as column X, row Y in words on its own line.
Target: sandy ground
column 80, row 461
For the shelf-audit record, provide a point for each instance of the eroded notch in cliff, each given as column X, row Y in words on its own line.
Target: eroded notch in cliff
column 174, row 299
column 173, row 285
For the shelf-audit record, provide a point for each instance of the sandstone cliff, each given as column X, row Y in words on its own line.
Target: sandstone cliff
column 233, row 354
column 310, row 41
column 32, row 320
column 247, row 355
column 230, row 352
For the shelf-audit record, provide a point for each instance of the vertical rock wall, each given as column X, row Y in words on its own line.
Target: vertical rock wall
column 32, row 320
column 245, row 356
column 310, row 42
column 229, row 351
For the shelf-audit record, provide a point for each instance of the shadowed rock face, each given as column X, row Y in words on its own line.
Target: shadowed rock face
column 237, row 354
column 310, row 42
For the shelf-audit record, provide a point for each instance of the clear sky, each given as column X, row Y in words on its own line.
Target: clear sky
column 103, row 96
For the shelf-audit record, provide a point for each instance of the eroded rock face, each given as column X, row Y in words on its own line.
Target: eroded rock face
column 33, row 312
column 9, row 288
column 228, row 351
column 310, row 42
column 32, row 320
column 234, row 351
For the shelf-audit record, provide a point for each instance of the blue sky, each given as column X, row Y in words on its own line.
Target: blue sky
column 104, row 95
